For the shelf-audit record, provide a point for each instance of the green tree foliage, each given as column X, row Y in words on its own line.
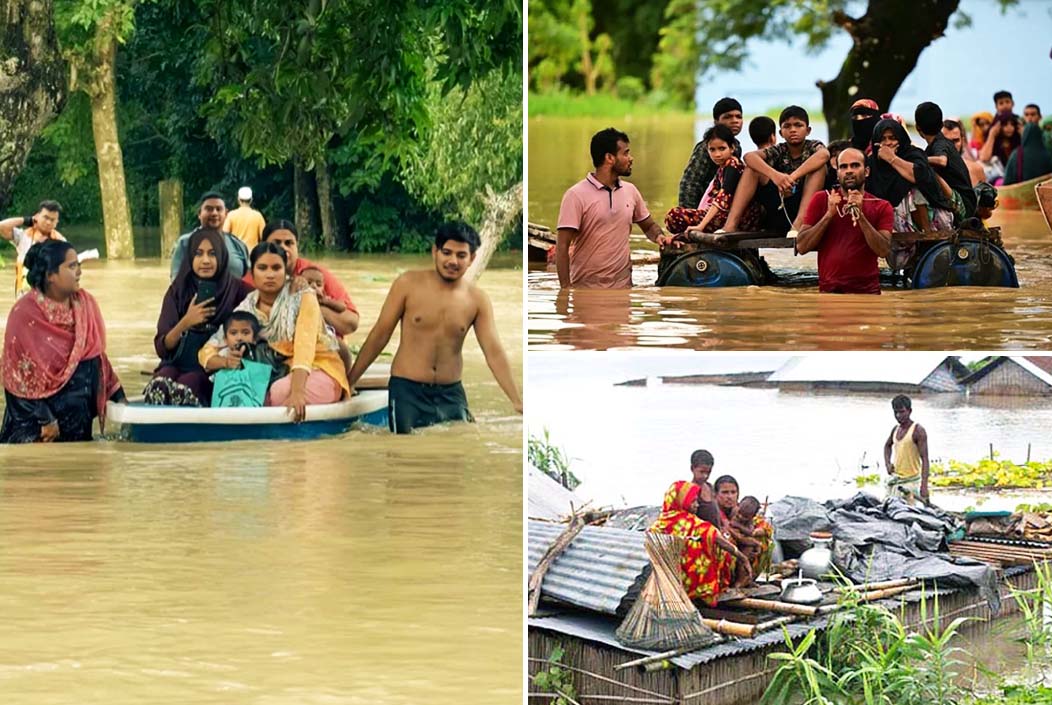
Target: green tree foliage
column 480, row 126
column 221, row 95
column 564, row 49
column 675, row 62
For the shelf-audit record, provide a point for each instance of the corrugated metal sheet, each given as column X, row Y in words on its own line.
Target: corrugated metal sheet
column 547, row 499
column 900, row 368
column 602, row 629
column 601, row 570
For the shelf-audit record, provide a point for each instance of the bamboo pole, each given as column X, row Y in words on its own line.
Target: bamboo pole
column 888, row 592
column 869, row 587
column 775, row 606
column 554, row 551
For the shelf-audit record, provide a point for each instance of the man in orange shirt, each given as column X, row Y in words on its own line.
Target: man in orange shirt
column 244, row 222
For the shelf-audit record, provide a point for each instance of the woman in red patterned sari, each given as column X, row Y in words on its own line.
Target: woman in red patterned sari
column 709, row 559
column 56, row 375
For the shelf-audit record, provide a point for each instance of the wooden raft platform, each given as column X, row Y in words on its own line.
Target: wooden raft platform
column 542, row 239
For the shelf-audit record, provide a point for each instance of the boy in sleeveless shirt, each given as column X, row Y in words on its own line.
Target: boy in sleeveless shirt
column 908, row 467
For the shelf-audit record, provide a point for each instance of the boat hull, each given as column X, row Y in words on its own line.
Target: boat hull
column 1043, row 192
column 1021, row 196
column 141, row 423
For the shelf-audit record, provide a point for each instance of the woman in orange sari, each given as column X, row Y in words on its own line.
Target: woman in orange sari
column 709, row 559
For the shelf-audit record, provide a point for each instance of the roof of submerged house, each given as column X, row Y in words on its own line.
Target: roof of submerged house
column 866, row 367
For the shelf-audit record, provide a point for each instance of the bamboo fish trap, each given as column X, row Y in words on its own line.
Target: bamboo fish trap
column 663, row 617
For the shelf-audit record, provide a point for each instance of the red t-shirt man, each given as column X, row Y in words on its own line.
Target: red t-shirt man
column 846, row 263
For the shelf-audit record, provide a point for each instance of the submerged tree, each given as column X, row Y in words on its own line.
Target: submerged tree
column 91, row 31
column 888, row 39
column 32, row 82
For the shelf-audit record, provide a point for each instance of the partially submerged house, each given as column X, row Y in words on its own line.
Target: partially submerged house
column 872, row 372
column 589, row 588
column 1013, row 375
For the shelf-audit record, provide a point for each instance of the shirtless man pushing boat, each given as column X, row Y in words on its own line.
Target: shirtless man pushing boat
column 436, row 308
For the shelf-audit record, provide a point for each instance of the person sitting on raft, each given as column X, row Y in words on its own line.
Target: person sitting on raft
column 292, row 324
column 56, row 375
column 953, row 130
column 772, row 175
column 761, row 530
column 1030, row 159
column 188, row 319
column 711, row 212
column 849, row 229
column 709, row 560
column 835, row 148
column 900, row 174
column 700, row 169
column 865, row 114
column 945, row 158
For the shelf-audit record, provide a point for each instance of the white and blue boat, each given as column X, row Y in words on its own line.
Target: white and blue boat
column 143, row 423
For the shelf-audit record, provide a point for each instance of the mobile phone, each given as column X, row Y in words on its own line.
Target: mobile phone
column 205, row 290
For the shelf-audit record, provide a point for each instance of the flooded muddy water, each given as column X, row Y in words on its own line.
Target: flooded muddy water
column 363, row 568
column 638, row 438
column 792, row 317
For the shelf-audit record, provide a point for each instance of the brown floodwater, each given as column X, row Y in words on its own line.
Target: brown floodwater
column 760, row 318
column 364, row 568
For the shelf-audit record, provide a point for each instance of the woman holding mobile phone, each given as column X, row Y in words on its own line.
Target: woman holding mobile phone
column 198, row 302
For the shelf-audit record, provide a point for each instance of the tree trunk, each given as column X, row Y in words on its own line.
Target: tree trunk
column 116, row 214
column 325, row 212
column 586, row 54
column 884, row 53
column 170, row 200
column 501, row 209
column 32, row 82
column 303, row 193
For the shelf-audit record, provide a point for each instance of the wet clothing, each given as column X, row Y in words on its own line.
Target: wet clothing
column 707, row 568
column 1030, row 159
column 699, row 173
column 603, row 219
column 55, row 368
column 412, row 404
column 72, row 406
column 846, row 264
column 955, row 173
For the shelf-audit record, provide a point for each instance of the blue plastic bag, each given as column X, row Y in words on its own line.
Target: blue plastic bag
column 245, row 386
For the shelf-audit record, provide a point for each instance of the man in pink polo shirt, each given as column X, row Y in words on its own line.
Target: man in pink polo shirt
column 596, row 216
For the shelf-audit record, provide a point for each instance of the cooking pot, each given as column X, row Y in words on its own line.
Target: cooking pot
column 803, row 591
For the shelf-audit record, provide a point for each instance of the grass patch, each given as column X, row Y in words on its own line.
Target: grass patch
column 565, row 104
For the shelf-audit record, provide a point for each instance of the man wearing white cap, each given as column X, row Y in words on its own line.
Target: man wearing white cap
column 244, row 222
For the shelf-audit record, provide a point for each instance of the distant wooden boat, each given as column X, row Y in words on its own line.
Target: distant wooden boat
column 1021, row 196
column 1043, row 192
